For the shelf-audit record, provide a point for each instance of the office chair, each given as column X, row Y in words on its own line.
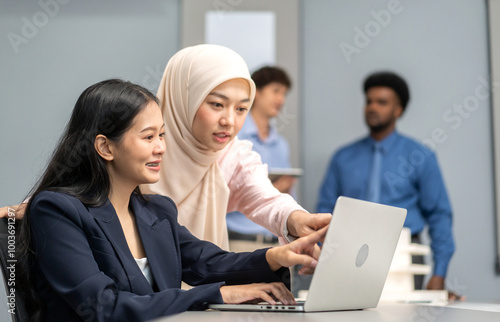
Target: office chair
column 21, row 315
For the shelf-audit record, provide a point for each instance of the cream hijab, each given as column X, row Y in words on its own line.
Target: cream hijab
column 190, row 174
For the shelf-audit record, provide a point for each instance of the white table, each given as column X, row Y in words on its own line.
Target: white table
column 385, row 312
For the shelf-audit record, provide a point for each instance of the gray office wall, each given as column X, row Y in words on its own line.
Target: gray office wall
column 51, row 51
column 441, row 48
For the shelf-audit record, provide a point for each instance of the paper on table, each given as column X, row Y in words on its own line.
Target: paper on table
column 275, row 173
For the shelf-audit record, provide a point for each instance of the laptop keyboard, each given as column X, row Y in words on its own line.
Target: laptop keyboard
column 299, row 303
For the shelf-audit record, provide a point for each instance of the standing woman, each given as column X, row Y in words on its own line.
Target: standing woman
column 205, row 94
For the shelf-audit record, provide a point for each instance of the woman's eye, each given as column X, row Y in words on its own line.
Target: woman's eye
column 218, row 105
column 242, row 109
column 162, row 135
column 149, row 137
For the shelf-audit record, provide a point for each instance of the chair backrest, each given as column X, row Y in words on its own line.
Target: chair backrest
column 9, row 231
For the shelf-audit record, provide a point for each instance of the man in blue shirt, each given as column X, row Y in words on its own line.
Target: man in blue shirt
column 272, row 85
column 404, row 173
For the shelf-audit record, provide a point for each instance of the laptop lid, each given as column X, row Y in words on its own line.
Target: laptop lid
column 354, row 261
column 356, row 256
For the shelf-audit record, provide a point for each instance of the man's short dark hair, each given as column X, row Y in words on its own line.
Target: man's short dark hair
column 391, row 80
column 268, row 74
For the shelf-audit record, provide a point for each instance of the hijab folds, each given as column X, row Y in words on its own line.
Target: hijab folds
column 190, row 174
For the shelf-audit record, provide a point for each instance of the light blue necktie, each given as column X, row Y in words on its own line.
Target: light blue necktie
column 375, row 175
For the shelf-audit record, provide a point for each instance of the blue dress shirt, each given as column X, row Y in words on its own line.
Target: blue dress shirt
column 411, row 179
column 274, row 151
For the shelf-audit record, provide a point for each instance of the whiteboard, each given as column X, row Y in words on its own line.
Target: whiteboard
column 252, row 34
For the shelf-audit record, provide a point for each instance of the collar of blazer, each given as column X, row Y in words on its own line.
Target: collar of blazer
column 158, row 244
column 107, row 212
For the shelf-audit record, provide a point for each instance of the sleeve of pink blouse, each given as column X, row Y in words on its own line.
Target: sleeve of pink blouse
column 251, row 191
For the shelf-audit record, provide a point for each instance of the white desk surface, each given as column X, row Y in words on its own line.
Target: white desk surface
column 490, row 307
column 385, row 312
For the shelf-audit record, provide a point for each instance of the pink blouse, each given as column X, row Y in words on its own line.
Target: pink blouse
column 251, row 191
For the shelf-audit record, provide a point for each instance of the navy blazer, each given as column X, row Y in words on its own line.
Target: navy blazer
column 84, row 269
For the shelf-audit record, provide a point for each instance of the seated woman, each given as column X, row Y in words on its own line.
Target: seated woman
column 99, row 250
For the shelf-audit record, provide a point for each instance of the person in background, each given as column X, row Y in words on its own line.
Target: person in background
column 94, row 248
column 272, row 85
column 390, row 168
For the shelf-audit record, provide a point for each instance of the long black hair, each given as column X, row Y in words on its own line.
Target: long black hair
column 75, row 168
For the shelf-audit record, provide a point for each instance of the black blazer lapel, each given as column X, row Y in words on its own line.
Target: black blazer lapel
column 158, row 240
column 109, row 223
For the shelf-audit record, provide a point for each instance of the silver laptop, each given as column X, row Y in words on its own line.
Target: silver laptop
column 354, row 260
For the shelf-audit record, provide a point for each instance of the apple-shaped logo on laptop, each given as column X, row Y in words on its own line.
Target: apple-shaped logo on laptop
column 362, row 255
